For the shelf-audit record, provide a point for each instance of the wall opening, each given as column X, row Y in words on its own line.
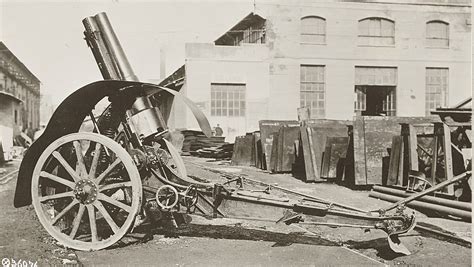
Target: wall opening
column 375, row 100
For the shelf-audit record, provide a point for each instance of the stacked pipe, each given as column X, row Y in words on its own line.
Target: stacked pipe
column 444, row 206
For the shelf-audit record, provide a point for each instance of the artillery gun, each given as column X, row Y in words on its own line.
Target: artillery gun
column 89, row 189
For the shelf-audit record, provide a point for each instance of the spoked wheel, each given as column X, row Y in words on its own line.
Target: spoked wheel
column 86, row 191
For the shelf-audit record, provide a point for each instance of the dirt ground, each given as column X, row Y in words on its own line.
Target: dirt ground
column 235, row 242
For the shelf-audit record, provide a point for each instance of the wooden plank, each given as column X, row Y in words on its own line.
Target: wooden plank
column 360, row 172
column 298, row 168
column 290, row 135
column 395, row 157
column 312, row 157
column 413, row 146
column 448, row 157
column 274, row 153
column 348, row 175
column 336, row 148
column 268, row 127
column 257, row 150
column 308, row 163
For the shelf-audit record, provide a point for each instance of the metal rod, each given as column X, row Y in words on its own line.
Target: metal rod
column 402, row 201
column 338, row 224
column 423, row 205
column 307, row 196
column 429, row 199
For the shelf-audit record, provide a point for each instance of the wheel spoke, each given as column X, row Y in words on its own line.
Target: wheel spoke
column 80, row 158
column 95, row 160
column 114, row 202
column 57, row 179
column 106, row 215
column 107, row 171
column 63, row 212
column 66, row 166
column 91, row 211
column 77, row 221
column 115, row 185
column 56, row 196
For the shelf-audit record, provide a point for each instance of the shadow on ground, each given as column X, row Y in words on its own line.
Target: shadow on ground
column 146, row 233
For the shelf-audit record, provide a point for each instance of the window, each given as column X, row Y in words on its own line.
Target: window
column 437, row 34
column 312, row 90
column 227, row 99
column 313, row 30
column 436, row 88
column 376, row 32
column 250, row 35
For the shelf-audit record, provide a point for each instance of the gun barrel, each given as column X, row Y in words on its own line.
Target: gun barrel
column 104, row 59
column 113, row 64
column 114, row 47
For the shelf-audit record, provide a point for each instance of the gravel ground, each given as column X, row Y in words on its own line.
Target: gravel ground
column 235, row 242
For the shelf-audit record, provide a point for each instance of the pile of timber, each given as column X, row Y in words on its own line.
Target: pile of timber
column 430, row 204
column 197, row 144
column 220, row 152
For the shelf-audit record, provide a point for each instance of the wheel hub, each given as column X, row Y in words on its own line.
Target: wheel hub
column 85, row 191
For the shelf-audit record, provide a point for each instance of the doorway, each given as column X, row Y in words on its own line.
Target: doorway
column 375, row 100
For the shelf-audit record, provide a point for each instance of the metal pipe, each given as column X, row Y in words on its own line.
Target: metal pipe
column 113, row 64
column 125, row 70
column 423, row 205
column 95, row 41
column 114, row 47
column 455, row 179
column 338, row 225
column 435, row 200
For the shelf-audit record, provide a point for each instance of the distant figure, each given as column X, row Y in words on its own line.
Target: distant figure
column 219, row 131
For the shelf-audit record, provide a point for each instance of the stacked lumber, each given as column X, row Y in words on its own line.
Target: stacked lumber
column 190, row 136
column 196, row 143
column 220, row 152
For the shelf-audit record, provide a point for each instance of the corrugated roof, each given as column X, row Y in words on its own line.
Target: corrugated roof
column 4, row 48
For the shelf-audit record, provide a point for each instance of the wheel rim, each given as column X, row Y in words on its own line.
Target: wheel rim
column 166, row 197
column 86, row 191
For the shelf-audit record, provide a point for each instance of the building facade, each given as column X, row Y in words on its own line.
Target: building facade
column 339, row 58
column 19, row 97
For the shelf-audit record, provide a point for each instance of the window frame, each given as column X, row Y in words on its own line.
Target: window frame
column 221, row 107
column 371, row 38
column 322, row 35
column 445, row 101
column 315, row 93
column 431, row 38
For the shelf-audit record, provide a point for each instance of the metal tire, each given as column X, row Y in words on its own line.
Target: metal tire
column 96, row 193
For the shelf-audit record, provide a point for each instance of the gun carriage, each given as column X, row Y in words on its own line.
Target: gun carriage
column 89, row 189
